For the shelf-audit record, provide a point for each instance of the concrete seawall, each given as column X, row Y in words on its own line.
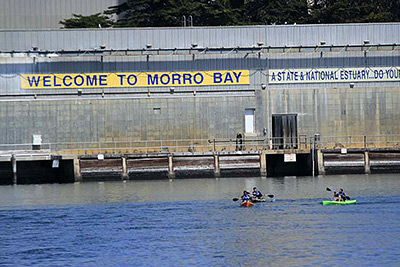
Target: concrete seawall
column 44, row 167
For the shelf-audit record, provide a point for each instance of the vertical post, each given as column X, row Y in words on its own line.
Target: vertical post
column 365, row 142
column 14, row 168
column 124, row 169
column 313, row 157
column 320, row 159
column 77, row 170
column 217, row 170
column 171, row 173
column 263, row 165
column 367, row 165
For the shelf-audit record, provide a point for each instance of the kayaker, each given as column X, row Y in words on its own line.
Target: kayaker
column 340, row 196
column 335, row 196
column 256, row 193
column 245, row 197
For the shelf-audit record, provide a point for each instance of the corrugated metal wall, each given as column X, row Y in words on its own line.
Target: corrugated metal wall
column 46, row 14
column 278, row 35
column 216, row 111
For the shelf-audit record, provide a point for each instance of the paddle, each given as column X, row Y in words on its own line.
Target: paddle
column 236, row 199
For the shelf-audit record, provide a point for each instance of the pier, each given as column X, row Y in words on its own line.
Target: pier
column 212, row 158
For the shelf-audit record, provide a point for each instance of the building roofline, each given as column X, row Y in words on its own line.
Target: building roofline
column 206, row 27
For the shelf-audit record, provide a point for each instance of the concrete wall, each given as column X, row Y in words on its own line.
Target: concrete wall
column 124, row 119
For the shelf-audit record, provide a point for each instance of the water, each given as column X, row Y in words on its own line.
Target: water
column 196, row 223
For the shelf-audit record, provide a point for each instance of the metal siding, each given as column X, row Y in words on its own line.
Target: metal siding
column 215, row 37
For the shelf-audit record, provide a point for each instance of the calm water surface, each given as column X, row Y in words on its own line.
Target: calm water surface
column 195, row 223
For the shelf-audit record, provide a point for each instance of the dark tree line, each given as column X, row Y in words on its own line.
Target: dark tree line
column 169, row 13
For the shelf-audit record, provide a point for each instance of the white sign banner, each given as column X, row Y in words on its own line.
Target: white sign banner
column 290, row 158
column 333, row 75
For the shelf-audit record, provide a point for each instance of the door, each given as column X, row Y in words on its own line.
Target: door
column 284, row 131
column 249, row 120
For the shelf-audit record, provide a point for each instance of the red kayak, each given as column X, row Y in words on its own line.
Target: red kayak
column 246, row 204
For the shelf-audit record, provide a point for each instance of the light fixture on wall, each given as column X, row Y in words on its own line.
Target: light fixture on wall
column 172, row 90
column 79, row 92
column 351, row 85
column 102, row 46
column 260, row 43
column 148, row 46
column 322, row 42
column 366, row 42
column 263, row 86
column 194, row 45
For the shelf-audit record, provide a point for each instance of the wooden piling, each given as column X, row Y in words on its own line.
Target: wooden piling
column 14, row 169
column 263, row 165
column 77, row 170
column 171, row 173
column 124, row 169
column 367, row 165
column 320, row 158
column 217, row 170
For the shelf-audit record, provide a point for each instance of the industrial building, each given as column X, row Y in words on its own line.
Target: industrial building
column 200, row 88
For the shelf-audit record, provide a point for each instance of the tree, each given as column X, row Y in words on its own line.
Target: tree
column 161, row 13
column 347, row 11
column 276, row 11
column 92, row 21
column 169, row 13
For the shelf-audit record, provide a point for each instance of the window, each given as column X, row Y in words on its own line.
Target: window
column 249, row 120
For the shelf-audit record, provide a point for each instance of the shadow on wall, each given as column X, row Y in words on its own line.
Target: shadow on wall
column 276, row 166
column 37, row 172
column 184, row 65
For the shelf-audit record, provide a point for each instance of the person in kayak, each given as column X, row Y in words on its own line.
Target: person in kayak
column 245, row 197
column 340, row 196
column 256, row 193
column 335, row 196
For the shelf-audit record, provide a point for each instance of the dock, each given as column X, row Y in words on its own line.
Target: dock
column 48, row 163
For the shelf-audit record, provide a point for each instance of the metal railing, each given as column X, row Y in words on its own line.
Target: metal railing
column 211, row 145
column 359, row 141
column 159, row 146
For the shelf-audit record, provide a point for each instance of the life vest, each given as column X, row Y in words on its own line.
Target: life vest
column 256, row 193
column 246, row 197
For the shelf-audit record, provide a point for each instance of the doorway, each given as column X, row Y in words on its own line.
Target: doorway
column 284, row 131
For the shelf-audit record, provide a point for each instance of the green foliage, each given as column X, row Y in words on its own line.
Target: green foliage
column 92, row 21
column 355, row 11
column 170, row 13
column 277, row 11
column 159, row 13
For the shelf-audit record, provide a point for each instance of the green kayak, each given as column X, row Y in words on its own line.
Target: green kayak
column 331, row 202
